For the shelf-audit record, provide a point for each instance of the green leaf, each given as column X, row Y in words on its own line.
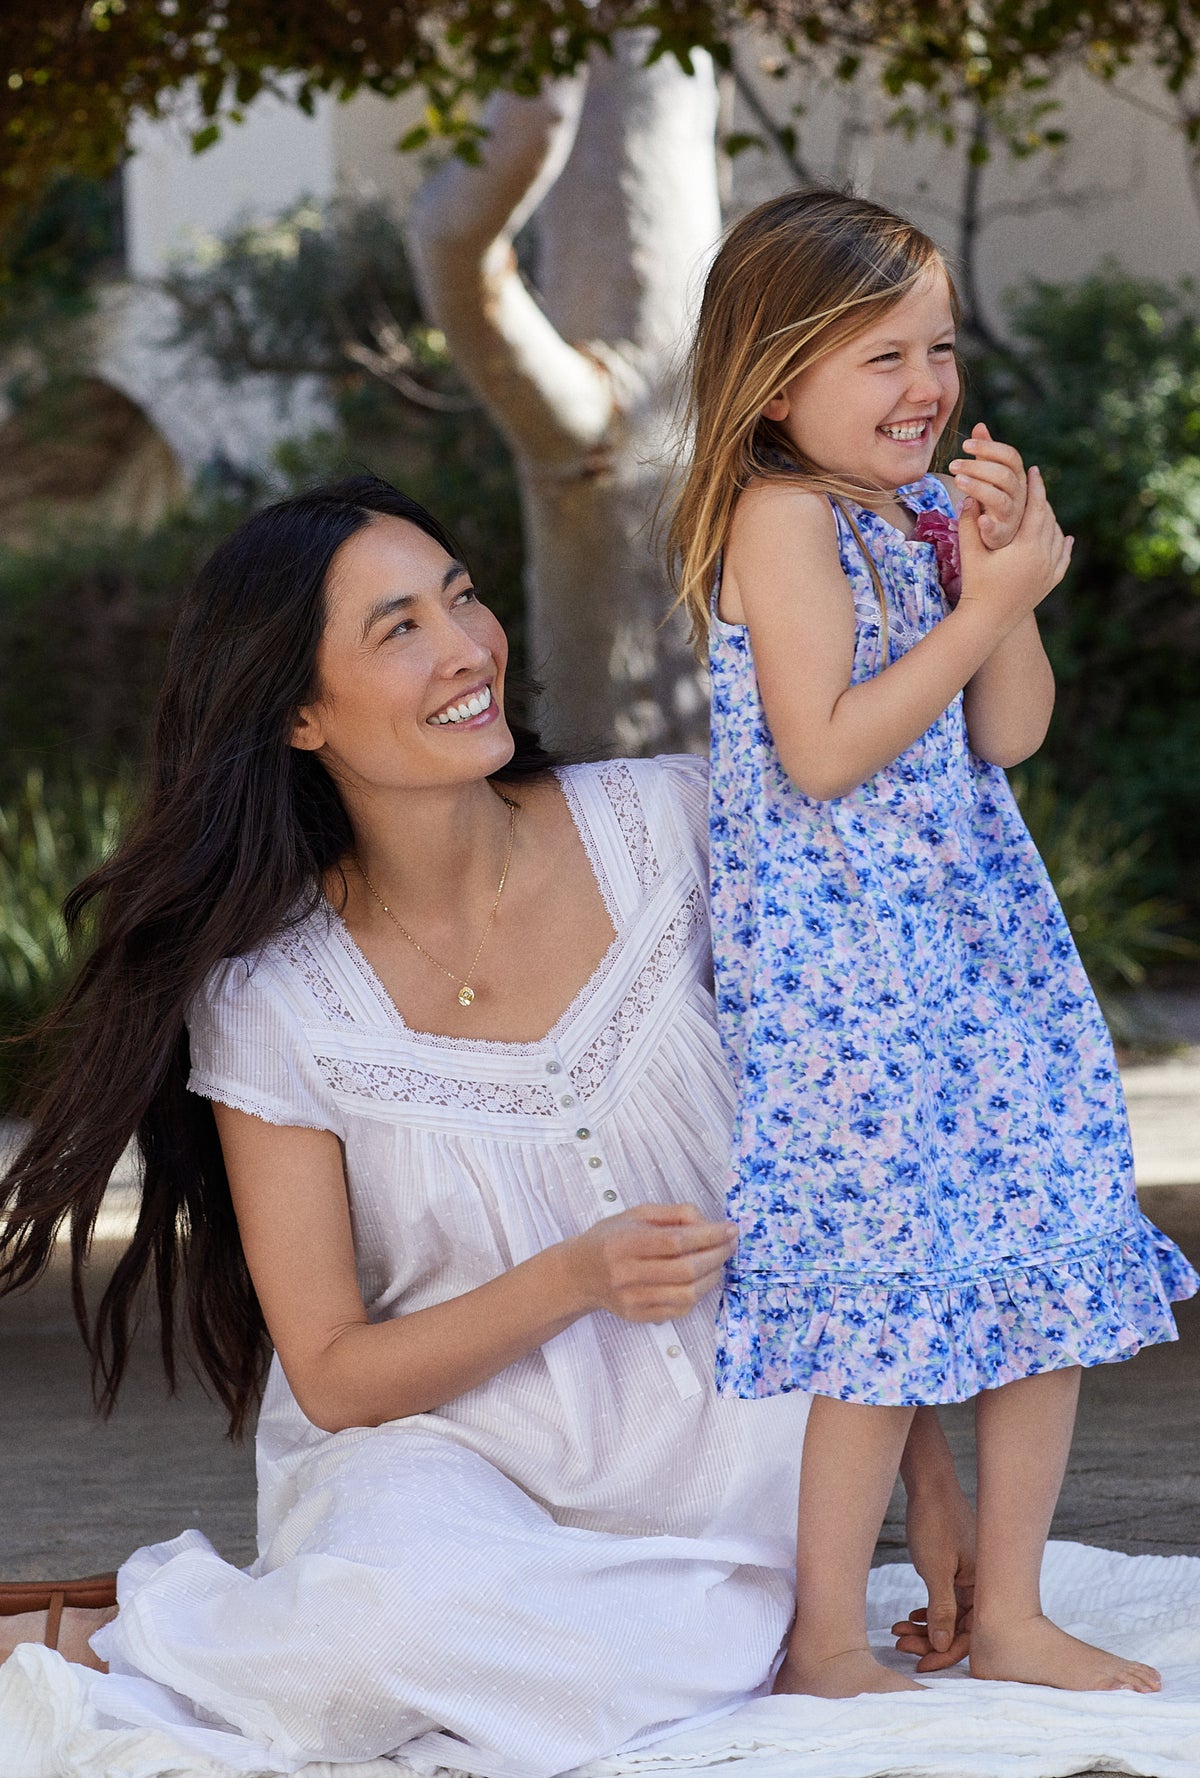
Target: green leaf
column 738, row 141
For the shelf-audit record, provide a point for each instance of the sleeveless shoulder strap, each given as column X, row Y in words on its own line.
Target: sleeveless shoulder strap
column 872, row 566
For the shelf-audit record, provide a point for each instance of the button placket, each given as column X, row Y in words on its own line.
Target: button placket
column 680, row 1368
column 586, row 1140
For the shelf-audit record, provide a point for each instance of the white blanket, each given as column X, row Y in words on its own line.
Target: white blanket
column 1145, row 1606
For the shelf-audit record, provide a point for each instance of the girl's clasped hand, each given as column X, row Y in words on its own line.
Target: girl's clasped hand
column 991, row 480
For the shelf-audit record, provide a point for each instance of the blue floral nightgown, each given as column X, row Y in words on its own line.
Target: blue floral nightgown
column 932, row 1176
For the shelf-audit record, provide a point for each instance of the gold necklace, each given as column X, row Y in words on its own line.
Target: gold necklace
column 466, row 992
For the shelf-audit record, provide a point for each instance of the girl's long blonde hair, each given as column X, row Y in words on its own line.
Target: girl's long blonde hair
column 795, row 278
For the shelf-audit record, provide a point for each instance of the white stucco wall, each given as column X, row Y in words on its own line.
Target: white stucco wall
column 259, row 167
column 1120, row 186
column 265, row 165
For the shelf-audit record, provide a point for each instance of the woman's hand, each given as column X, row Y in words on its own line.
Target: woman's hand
column 941, row 1542
column 993, row 476
column 651, row 1263
column 940, row 1529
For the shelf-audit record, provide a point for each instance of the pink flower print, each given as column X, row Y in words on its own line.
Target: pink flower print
column 942, row 531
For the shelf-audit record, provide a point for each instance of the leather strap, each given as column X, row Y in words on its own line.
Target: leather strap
column 54, row 1613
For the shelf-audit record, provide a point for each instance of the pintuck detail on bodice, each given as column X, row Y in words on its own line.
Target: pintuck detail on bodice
column 932, row 1172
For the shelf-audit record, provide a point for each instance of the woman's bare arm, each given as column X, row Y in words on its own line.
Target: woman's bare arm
column 783, row 574
column 651, row 1263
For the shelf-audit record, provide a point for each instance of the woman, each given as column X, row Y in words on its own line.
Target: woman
column 450, row 1061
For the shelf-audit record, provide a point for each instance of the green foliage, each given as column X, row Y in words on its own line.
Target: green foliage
column 1098, row 870
column 84, row 622
column 317, row 290
column 1102, row 389
column 50, row 253
column 51, row 836
column 74, row 75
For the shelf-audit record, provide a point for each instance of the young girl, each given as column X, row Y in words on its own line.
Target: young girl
column 932, row 1178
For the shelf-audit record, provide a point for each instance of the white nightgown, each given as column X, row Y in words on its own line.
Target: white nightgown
column 591, row 1549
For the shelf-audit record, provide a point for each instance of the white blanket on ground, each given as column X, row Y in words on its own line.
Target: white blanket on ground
column 1145, row 1606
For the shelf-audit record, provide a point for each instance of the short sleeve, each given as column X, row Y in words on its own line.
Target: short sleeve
column 249, row 1050
column 685, row 780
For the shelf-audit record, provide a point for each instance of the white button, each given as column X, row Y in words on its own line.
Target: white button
column 595, row 1161
column 553, row 1068
column 674, row 1351
column 610, row 1197
column 567, row 1099
column 583, row 1133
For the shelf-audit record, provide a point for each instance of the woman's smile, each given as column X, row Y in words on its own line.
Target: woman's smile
column 472, row 709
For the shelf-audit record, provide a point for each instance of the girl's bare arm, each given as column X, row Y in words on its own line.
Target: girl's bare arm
column 651, row 1263
column 783, row 577
column 1009, row 700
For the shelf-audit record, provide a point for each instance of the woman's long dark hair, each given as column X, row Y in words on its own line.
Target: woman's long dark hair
column 234, row 840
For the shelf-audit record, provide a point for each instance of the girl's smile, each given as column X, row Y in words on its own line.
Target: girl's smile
column 874, row 407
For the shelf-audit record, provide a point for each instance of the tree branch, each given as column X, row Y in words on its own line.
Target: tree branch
column 779, row 136
column 554, row 400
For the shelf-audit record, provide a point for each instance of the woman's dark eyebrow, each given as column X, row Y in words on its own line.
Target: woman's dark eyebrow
column 399, row 601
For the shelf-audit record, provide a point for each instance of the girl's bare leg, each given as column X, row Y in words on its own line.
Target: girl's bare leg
column 78, row 1625
column 851, row 1457
column 1023, row 1435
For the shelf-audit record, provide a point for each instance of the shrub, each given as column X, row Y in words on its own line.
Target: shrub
column 84, row 622
column 1103, row 391
column 1096, row 868
column 51, row 835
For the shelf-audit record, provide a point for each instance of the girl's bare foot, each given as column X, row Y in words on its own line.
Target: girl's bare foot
column 1037, row 1652
column 79, row 1624
column 845, row 1675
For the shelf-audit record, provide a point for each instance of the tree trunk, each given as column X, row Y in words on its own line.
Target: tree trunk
column 620, row 166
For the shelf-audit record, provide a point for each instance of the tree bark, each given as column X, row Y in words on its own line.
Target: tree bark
column 619, row 168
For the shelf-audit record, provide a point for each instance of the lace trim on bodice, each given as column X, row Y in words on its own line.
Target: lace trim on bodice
column 618, row 783
column 295, row 946
column 598, row 1060
column 396, row 1085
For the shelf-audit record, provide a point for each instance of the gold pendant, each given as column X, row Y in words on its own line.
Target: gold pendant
column 465, row 995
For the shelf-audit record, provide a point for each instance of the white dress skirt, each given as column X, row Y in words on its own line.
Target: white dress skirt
column 588, row 1551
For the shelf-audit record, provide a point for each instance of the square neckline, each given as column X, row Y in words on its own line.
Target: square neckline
column 921, row 489
column 501, row 1045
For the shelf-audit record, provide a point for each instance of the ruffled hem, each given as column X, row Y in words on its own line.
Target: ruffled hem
column 920, row 1343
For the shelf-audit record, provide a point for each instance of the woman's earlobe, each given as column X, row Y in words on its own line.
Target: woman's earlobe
column 777, row 408
column 306, row 733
